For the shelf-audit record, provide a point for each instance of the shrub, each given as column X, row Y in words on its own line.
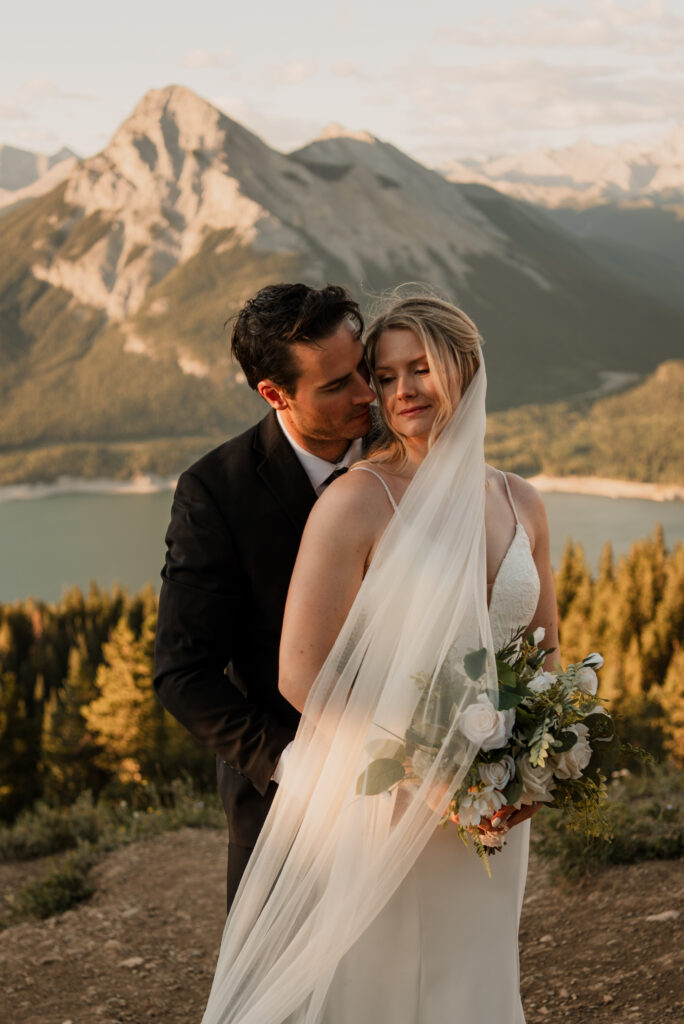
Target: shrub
column 645, row 815
column 65, row 884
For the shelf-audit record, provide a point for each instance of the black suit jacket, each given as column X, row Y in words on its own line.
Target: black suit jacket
column 236, row 523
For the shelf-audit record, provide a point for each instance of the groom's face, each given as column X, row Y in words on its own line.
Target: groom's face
column 330, row 404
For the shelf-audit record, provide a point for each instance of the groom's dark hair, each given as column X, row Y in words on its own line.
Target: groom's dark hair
column 280, row 316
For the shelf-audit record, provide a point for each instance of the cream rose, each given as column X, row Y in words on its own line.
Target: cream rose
column 481, row 723
column 538, row 635
column 542, row 682
column 571, row 763
column 593, row 660
column 587, row 680
column 499, row 773
column 537, row 782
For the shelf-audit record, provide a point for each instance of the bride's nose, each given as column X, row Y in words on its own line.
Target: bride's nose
column 406, row 385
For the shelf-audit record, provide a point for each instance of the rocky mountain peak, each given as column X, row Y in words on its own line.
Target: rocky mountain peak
column 337, row 131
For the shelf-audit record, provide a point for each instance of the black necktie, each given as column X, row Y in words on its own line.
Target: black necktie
column 334, row 475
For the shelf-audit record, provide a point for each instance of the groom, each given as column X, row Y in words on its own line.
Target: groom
column 236, row 522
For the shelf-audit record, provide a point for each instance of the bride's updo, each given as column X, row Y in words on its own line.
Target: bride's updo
column 452, row 343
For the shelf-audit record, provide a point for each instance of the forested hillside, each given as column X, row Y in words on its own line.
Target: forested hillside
column 78, row 711
column 636, row 435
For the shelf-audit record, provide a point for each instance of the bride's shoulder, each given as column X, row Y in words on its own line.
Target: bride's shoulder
column 356, row 497
column 528, row 500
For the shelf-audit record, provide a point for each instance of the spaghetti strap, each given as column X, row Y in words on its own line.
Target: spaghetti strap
column 368, row 469
column 510, row 496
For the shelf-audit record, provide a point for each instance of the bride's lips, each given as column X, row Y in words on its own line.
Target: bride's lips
column 414, row 410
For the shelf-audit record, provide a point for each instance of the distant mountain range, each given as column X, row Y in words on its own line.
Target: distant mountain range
column 24, row 174
column 625, row 202
column 114, row 285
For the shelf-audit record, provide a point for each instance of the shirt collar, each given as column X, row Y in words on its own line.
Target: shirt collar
column 317, row 469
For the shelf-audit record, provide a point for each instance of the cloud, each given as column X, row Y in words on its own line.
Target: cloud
column 343, row 69
column 646, row 28
column 205, row 59
column 279, row 131
column 38, row 89
column 293, row 73
column 13, row 112
column 495, row 106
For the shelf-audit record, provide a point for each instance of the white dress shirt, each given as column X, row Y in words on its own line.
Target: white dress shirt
column 318, row 470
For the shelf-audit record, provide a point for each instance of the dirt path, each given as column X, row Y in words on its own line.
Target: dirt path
column 144, row 947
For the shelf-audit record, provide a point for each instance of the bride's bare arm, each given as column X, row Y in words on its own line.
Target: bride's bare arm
column 533, row 513
column 339, row 538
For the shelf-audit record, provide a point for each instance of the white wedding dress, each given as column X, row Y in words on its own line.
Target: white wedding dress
column 444, row 949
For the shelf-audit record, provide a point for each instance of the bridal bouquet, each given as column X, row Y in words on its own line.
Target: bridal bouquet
column 550, row 740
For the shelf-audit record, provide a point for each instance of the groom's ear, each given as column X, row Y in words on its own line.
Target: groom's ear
column 274, row 395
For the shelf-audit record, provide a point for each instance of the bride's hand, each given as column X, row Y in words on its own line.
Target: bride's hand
column 508, row 816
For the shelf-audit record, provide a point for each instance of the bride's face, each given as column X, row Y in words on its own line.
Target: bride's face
column 409, row 393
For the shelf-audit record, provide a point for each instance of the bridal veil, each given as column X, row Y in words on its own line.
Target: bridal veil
column 333, row 849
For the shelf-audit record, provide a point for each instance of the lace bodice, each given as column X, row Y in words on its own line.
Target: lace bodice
column 515, row 591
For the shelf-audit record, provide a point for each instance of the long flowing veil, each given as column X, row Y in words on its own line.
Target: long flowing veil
column 344, row 828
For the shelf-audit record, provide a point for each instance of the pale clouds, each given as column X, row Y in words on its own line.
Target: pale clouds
column 197, row 59
column 498, row 104
column 647, row 28
column 12, row 112
column 38, row 89
column 281, row 132
column 293, row 73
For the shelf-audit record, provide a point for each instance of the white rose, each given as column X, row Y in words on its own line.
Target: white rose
column 571, row 763
column 537, row 782
column 542, row 682
column 587, row 680
column 538, row 635
column 593, row 660
column 481, row 723
column 499, row 773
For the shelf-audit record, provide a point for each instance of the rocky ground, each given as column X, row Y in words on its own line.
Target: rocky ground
column 143, row 947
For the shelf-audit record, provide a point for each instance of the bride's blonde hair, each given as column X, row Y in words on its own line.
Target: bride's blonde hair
column 451, row 341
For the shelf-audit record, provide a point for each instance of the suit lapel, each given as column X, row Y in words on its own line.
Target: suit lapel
column 282, row 472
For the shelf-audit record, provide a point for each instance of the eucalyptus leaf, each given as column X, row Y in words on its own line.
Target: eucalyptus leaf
column 507, row 676
column 381, row 775
column 565, row 741
column 513, row 791
column 508, row 699
column 386, row 748
column 475, row 662
column 600, row 726
column 605, row 754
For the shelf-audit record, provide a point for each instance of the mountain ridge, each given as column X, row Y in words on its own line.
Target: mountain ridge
column 115, row 285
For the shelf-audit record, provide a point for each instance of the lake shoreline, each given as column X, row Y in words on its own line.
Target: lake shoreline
column 600, row 487
column 605, row 487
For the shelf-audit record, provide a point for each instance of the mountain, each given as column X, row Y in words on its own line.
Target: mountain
column 585, row 174
column 114, row 286
column 24, row 174
column 624, row 203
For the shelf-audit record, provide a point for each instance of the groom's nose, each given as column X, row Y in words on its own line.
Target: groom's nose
column 363, row 393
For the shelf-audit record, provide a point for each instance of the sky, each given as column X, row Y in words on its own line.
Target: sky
column 441, row 80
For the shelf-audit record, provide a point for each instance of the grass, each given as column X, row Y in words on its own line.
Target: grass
column 104, row 824
column 645, row 814
column 76, row 837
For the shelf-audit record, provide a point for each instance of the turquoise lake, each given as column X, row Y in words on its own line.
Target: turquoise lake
column 51, row 543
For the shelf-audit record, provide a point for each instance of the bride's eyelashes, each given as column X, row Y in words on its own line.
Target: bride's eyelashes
column 388, row 380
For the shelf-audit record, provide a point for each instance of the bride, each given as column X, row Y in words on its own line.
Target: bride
column 355, row 907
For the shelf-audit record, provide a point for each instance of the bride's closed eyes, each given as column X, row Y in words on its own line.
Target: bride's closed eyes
column 387, row 378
